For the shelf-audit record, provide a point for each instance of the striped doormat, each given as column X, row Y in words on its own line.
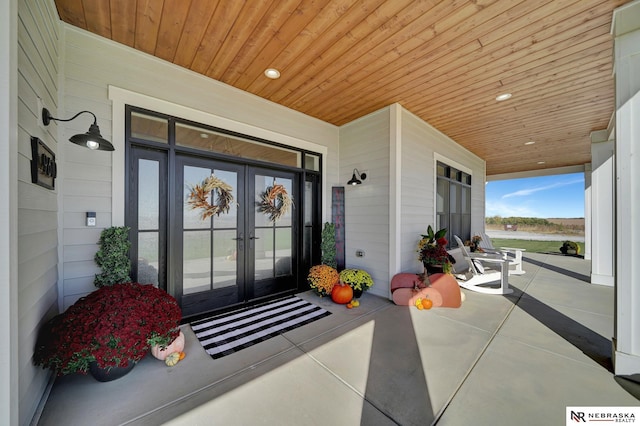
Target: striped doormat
column 228, row 333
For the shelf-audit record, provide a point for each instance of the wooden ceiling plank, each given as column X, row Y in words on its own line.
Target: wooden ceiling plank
column 547, row 153
column 376, row 55
column 98, row 17
column 490, row 59
column 519, row 134
column 149, row 13
column 174, row 16
column 292, row 31
column 461, row 39
column 248, row 18
column 587, row 87
column 561, row 9
column 216, row 33
column 72, row 12
column 548, row 75
column 196, row 24
column 123, row 21
column 520, row 131
column 459, row 36
column 272, row 23
column 493, row 64
column 487, row 64
column 526, row 88
column 547, row 65
column 356, row 25
column 600, row 53
column 525, row 122
column 556, row 160
column 516, row 125
column 326, row 18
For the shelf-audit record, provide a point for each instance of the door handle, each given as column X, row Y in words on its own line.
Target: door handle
column 251, row 238
column 240, row 238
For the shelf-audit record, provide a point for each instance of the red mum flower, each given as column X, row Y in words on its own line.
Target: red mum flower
column 111, row 326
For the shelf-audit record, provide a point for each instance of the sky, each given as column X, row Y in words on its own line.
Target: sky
column 559, row 196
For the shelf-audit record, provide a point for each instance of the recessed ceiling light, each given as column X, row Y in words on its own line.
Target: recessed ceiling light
column 541, row 162
column 529, row 143
column 272, row 73
column 204, row 135
column 503, row 97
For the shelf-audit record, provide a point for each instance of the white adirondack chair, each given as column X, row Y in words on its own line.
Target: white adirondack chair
column 481, row 279
column 488, row 247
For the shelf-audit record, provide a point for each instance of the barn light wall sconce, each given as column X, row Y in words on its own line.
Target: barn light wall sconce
column 357, row 178
column 92, row 139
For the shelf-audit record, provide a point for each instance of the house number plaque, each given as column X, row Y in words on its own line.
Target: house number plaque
column 43, row 164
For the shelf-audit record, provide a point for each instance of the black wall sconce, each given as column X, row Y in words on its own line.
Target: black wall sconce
column 355, row 179
column 92, row 139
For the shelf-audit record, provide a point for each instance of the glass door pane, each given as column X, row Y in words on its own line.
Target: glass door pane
column 147, row 216
column 209, row 245
column 272, row 232
column 209, row 274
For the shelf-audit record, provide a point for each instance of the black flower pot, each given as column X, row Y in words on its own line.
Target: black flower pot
column 431, row 269
column 357, row 293
column 110, row 373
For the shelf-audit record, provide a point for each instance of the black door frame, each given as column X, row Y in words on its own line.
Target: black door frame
column 307, row 243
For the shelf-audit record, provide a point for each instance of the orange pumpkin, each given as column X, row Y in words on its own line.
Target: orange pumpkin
column 341, row 294
column 427, row 303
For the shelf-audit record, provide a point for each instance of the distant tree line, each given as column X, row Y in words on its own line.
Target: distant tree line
column 534, row 224
column 524, row 221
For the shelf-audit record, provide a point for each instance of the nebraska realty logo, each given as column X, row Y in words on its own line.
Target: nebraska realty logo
column 602, row 415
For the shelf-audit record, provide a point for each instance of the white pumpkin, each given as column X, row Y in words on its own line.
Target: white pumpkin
column 176, row 346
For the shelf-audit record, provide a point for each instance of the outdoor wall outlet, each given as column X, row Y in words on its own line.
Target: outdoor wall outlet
column 91, row 218
column 360, row 253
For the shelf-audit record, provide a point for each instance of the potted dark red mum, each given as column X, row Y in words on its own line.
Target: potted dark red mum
column 108, row 330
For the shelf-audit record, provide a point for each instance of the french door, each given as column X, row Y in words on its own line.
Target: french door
column 239, row 256
column 236, row 256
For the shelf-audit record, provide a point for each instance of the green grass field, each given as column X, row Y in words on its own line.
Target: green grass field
column 532, row 246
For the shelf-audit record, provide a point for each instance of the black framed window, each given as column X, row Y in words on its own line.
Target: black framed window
column 453, row 201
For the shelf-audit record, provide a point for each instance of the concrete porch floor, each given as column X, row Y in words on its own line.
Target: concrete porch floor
column 519, row 359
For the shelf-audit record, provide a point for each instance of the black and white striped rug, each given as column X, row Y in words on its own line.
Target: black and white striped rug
column 228, row 333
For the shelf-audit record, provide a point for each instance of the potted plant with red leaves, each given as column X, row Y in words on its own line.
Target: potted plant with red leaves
column 110, row 329
column 432, row 251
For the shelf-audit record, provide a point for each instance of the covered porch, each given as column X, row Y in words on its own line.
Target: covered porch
column 521, row 358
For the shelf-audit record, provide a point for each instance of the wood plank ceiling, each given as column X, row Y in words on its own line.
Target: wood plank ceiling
column 443, row 60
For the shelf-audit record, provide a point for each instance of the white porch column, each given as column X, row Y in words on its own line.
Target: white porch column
column 9, row 389
column 587, row 211
column 626, row 30
column 602, row 209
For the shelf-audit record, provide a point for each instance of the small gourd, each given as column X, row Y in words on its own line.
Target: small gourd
column 172, row 359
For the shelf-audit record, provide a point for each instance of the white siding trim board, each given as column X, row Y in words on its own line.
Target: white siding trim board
column 37, row 220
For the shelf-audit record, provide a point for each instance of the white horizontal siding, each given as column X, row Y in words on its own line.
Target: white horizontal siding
column 421, row 146
column 92, row 67
column 364, row 144
column 38, row 50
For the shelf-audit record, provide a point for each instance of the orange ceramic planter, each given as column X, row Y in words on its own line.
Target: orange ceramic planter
column 444, row 290
column 449, row 289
